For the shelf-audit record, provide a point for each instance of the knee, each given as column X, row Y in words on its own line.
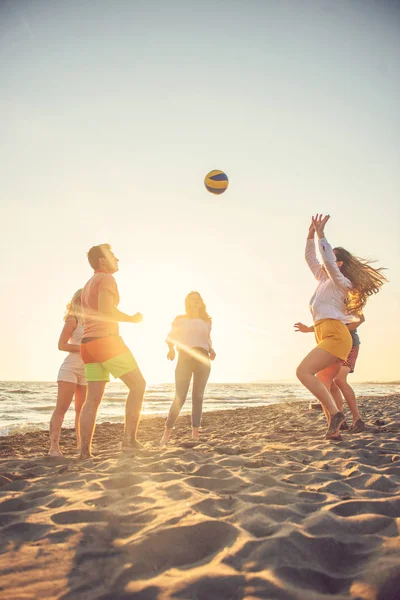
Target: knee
column 300, row 372
column 141, row 386
column 93, row 401
column 339, row 382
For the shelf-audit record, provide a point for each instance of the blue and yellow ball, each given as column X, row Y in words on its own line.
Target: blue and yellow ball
column 216, row 182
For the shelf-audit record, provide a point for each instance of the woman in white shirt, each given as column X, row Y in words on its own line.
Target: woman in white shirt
column 344, row 284
column 71, row 379
column 191, row 335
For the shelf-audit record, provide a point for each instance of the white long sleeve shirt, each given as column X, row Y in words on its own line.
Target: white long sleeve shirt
column 329, row 300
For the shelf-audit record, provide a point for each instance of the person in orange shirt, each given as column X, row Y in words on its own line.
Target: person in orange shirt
column 103, row 351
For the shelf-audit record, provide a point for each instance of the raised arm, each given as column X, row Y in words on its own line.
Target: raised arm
column 328, row 255
column 311, row 256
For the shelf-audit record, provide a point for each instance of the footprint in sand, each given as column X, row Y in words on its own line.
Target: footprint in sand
column 14, row 505
column 20, row 533
column 229, row 485
column 367, row 524
column 388, row 507
column 175, row 547
column 257, row 521
column 70, row 517
column 15, row 486
column 216, row 508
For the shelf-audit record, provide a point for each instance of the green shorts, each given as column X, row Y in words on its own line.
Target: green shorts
column 105, row 356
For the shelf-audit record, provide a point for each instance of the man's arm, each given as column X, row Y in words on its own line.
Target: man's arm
column 110, row 312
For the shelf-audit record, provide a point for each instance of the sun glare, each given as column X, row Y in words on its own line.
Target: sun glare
column 157, row 290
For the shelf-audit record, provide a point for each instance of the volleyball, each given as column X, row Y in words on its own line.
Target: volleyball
column 216, row 182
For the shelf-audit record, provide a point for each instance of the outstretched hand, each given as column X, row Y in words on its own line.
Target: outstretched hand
column 137, row 318
column 302, row 328
column 319, row 222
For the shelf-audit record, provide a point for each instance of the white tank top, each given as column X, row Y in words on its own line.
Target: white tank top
column 73, row 359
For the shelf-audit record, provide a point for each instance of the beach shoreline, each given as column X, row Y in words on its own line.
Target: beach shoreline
column 261, row 507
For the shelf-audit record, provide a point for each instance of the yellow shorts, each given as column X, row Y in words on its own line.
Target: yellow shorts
column 334, row 337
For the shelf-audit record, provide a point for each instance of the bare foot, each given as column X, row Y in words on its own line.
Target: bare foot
column 55, row 452
column 165, row 438
column 129, row 443
column 85, row 456
column 357, row 427
column 333, row 436
column 195, row 433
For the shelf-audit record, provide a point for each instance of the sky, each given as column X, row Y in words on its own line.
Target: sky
column 112, row 113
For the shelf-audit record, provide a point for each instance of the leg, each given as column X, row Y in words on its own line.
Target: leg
column 183, row 375
column 338, row 398
column 95, row 393
column 337, row 395
column 137, row 386
column 348, row 392
column 66, row 391
column 200, row 378
column 80, row 397
column 326, row 377
column 317, row 361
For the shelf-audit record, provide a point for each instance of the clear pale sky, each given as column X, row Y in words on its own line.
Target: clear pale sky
column 111, row 114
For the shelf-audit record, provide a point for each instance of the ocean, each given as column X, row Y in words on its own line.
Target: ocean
column 27, row 406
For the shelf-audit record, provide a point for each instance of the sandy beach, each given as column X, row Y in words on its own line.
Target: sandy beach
column 261, row 507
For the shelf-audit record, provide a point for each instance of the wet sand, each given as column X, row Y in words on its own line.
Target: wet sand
column 261, row 507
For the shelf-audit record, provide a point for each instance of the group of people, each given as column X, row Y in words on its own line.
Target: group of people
column 95, row 349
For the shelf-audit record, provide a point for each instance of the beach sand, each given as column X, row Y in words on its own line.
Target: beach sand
column 261, row 507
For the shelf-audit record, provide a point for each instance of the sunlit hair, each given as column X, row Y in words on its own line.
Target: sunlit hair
column 203, row 314
column 365, row 279
column 74, row 308
column 96, row 253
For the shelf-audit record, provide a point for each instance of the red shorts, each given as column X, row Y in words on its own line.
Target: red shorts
column 351, row 359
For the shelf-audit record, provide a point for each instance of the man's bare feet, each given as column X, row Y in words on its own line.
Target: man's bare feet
column 165, row 438
column 55, row 452
column 195, row 433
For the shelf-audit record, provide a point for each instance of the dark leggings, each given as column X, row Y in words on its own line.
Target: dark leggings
column 200, row 369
